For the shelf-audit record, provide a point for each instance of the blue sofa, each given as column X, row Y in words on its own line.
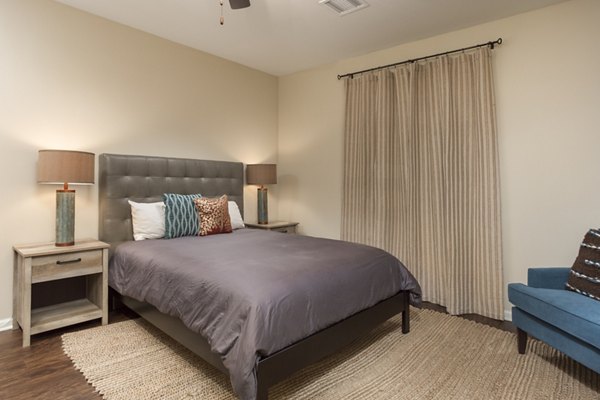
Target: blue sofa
column 567, row 321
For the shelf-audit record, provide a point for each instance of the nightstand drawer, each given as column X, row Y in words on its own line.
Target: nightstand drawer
column 60, row 266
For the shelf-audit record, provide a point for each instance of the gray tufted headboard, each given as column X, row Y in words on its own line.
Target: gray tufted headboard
column 145, row 179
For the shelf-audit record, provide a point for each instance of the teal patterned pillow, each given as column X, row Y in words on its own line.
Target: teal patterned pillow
column 181, row 218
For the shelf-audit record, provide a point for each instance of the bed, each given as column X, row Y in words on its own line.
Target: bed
column 254, row 354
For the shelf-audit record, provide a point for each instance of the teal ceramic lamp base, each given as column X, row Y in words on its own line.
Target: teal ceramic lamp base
column 263, row 212
column 65, row 217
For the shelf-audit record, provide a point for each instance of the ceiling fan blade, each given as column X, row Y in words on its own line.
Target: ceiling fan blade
column 237, row 4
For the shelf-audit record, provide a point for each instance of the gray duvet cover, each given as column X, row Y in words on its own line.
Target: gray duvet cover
column 251, row 293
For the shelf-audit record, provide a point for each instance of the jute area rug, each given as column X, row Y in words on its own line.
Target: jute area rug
column 443, row 357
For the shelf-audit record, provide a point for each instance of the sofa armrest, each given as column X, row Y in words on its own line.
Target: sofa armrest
column 548, row 278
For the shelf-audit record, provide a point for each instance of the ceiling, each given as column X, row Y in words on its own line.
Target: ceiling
column 285, row 36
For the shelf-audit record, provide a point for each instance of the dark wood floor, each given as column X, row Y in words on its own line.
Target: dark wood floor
column 43, row 371
column 503, row 325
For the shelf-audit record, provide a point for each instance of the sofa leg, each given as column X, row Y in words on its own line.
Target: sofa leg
column 521, row 340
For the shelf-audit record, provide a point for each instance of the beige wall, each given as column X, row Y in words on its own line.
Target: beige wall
column 69, row 80
column 548, row 98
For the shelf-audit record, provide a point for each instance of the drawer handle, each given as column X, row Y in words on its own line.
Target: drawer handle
column 76, row 260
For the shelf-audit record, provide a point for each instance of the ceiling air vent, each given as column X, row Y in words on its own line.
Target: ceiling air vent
column 343, row 7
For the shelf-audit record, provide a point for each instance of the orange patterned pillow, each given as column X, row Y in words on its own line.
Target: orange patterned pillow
column 213, row 214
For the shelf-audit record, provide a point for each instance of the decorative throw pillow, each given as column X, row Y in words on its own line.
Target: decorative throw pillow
column 585, row 273
column 181, row 218
column 236, row 217
column 148, row 220
column 213, row 215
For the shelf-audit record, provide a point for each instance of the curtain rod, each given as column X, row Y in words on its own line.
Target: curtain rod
column 491, row 44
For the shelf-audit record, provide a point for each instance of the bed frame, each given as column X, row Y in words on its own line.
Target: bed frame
column 145, row 179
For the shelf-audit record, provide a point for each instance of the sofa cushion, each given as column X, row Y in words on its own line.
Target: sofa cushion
column 585, row 273
column 569, row 311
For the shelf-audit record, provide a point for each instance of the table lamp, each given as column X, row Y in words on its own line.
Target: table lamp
column 65, row 167
column 261, row 174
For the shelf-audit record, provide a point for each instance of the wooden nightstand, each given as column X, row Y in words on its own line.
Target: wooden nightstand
column 37, row 263
column 278, row 226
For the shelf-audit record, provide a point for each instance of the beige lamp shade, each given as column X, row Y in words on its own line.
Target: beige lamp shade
column 64, row 166
column 261, row 174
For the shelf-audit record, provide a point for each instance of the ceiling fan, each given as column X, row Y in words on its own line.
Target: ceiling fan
column 237, row 4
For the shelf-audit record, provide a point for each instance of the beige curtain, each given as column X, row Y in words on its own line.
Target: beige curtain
column 421, row 176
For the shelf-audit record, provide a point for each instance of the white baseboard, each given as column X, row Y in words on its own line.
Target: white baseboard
column 508, row 315
column 5, row 324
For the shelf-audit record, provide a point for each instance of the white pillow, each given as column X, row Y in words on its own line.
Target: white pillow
column 234, row 215
column 148, row 220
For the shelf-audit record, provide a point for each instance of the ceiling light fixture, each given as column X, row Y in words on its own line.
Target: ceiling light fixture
column 344, row 7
